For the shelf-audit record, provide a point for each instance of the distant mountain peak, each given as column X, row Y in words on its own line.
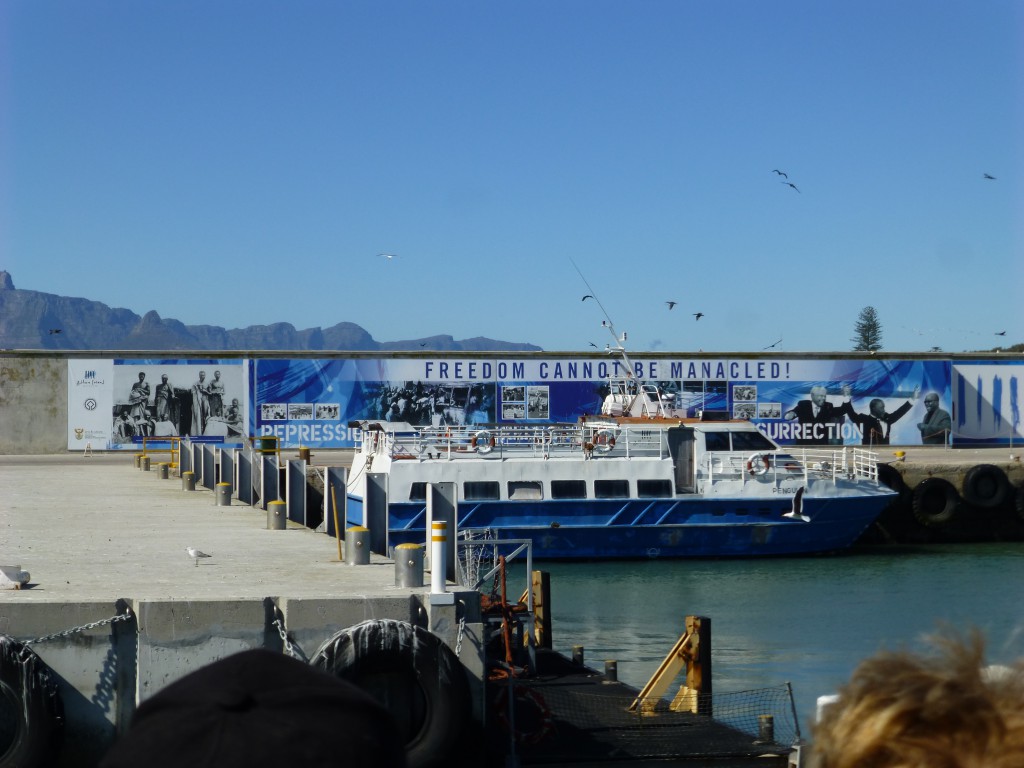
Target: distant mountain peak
column 27, row 317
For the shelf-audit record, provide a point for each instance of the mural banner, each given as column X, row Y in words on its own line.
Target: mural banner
column 796, row 402
column 114, row 404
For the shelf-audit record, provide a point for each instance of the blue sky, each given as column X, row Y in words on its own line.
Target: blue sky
column 240, row 163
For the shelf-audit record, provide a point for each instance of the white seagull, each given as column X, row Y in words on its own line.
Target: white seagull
column 195, row 554
column 388, row 256
column 797, row 513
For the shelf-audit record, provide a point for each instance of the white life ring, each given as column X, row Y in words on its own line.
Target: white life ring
column 604, row 440
column 483, row 441
column 758, row 464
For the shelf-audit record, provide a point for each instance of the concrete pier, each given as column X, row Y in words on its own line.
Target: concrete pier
column 100, row 539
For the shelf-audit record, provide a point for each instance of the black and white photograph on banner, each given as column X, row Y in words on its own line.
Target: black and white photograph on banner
column 300, row 411
column 769, row 410
column 424, row 404
column 538, row 400
column 168, row 400
column 274, row 412
column 745, row 411
column 328, row 411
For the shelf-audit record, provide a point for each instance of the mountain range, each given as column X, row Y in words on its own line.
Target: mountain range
column 36, row 320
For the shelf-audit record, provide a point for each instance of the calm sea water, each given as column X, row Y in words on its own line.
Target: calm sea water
column 807, row 621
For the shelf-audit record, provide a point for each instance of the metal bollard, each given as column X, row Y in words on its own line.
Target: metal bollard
column 138, row 459
column 357, row 545
column 765, row 729
column 144, row 463
column 223, row 495
column 188, row 481
column 438, row 548
column 577, row 655
column 409, row 565
column 304, row 454
column 611, row 671
column 161, row 470
column 277, row 515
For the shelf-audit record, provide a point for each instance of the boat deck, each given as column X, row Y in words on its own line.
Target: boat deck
column 569, row 714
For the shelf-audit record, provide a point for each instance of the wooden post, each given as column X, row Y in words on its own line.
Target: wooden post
column 540, row 584
column 698, row 670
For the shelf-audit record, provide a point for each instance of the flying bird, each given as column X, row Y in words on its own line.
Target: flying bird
column 388, row 256
column 594, row 345
column 54, row 330
column 195, row 554
column 987, row 176
column 784, row 175
column 588, row 296
column 771, row 346
column 789, row 184
column 698, row 315
column 670, row 304
column 1000, row 333
column 796, row 513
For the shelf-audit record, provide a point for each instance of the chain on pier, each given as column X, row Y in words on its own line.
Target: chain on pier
column 85, row 627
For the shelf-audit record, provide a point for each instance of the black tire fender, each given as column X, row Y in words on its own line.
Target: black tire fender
column 1018, row 502
column 31, row 709
column 413, row 674
column 986, row 486
column 935, row 501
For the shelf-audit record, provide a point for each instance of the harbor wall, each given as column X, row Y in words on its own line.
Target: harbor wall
column 103, row 669
column 310, row 399
column 33, row 405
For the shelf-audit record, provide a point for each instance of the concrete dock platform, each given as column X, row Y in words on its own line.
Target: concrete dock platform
column 101, row 538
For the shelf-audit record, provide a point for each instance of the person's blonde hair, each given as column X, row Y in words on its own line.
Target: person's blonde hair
column 943, row 710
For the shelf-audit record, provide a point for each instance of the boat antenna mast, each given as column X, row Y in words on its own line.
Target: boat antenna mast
column 607, row 323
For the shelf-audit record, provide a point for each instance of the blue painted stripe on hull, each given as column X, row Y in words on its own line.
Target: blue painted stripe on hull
column 689, row 528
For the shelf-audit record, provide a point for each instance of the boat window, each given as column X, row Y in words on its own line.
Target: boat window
column 751, row 441
column 716, row 441
column 480, row 491
column 611, row 489
column 568, row 489
column 658, row 488
column 418, row 492
column 524, row 491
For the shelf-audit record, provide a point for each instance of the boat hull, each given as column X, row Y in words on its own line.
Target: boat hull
column 651, row 528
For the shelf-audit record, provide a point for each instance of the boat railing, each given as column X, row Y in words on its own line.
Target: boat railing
column 590, row 440
column 807, row 463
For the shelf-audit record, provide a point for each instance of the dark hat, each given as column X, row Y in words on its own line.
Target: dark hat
column 259, row 708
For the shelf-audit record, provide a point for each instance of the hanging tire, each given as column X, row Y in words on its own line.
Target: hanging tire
column 986, row 486
column 31, row 710
column 935, row 501
column 1018, row 502
column 413, row 674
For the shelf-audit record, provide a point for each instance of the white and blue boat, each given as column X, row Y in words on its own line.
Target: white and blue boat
column 634, row 482
column 637, row 480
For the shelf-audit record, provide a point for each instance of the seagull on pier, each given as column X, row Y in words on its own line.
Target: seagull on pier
column 988, row 176
column 670, row 304
column 781, row 173
column 195, row 554
column 789, row 184
column 698, row 315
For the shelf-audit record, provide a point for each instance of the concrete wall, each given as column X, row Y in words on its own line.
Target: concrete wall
column 103, row 670
column 33, row 405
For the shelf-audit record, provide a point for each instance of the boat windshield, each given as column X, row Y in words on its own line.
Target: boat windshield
column 741, row 441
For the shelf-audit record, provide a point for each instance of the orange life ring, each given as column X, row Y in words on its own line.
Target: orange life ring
column 758, row 464
column 604, row 440
column 482, row 441
column 531, row 719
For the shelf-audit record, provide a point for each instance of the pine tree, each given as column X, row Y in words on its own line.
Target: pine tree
column 868, row 331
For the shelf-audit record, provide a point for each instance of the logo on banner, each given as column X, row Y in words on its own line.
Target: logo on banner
column 79, row 433
column 90, row 404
